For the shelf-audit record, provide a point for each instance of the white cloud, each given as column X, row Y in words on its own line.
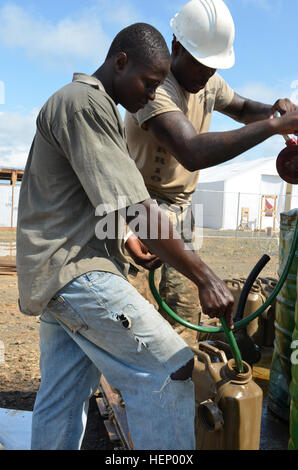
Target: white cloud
column 64, row 41
column 115, row 12
column 84, row 34
column 13, row 158
column 16, row 135
column 261, row 92
column 17, row 128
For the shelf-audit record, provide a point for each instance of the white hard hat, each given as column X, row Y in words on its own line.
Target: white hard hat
column 206, row 29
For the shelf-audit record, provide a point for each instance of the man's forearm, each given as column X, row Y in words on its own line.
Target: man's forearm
column 246, row 111
column 196, row 151
column 210, row 149
column 158, row 234
column 254, row 111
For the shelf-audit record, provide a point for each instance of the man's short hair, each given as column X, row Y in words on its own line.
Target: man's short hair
column 141, row 42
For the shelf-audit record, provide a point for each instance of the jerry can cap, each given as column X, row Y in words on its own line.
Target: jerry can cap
column 210, row 416
column 231, row 371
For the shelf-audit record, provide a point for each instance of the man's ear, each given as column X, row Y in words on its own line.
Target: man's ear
column 176, row 47
column 120, row 61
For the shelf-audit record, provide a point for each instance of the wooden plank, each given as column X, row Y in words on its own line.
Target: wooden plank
column 8, row 269
column 112, row 431
column 118, row 412
column 261, row 373
column 103, row 410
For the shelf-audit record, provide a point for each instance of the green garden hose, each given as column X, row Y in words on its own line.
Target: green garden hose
column 240, row 324
column 229, row 333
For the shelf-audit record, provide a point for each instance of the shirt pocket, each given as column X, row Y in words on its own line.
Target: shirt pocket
column 65, row 314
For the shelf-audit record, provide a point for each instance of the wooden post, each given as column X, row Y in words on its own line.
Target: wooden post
column 274, row 215
column 12, row 182
column 288, row 197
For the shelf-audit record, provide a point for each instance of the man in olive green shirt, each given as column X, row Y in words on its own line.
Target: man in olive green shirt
column 79, row 177
column 69, row 173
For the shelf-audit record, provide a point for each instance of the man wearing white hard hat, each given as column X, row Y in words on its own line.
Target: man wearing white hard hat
column 169, row 138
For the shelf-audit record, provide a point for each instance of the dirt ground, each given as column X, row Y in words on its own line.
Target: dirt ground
column 19, row 372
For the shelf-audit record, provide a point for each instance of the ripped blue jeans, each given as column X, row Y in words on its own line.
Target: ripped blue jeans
column 99, row 324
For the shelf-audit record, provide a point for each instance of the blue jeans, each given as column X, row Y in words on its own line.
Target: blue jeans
column 99, row 323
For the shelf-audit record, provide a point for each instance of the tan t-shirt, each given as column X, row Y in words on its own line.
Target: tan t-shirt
column 78, row 162
column 164, row 176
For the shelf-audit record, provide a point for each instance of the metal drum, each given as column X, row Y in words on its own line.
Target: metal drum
column 293, row 444
column 280, row 375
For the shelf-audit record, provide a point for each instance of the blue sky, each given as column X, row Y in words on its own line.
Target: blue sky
column 42, row 43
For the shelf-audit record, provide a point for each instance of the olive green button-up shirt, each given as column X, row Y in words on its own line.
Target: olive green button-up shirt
column 78, row 170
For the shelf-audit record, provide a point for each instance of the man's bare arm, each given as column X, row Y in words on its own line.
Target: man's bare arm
column 215, row 297
column 246, row 111
column 198, row 151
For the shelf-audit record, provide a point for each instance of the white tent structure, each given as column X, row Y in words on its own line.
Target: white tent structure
column 228, row 190
column 10, row 184
column 7, row 198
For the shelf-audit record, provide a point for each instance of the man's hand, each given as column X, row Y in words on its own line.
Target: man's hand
column 287, row 123
column 140, row 254
column 284, row 106
column 216, row 299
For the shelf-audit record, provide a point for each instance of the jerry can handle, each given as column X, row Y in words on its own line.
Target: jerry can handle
column 205, row 358
column 234, row 282
column 212, row 349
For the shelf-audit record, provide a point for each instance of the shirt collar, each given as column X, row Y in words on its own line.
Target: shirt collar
column 88, row 79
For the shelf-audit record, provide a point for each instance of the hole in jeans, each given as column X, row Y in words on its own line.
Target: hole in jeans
column 126, row 322
column 185, row 372
column 140, row 344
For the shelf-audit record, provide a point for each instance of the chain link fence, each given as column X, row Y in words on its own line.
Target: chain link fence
column 228, row 213
column 246, row 215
